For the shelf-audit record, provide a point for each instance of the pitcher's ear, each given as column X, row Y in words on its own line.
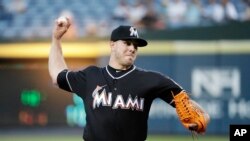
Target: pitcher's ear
column 111, row 43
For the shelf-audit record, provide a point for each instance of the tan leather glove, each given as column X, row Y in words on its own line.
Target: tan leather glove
column 190, row 113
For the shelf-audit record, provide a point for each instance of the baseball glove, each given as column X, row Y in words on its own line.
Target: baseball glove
column 190, row 113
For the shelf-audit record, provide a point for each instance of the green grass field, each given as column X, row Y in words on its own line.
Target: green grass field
column 50, row 137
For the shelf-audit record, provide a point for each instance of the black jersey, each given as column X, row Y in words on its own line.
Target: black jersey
column 117, row 102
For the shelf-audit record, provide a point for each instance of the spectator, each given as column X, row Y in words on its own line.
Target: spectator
column 103, row 29
column 18, row 6
column 136, row 13
column 152, row 20
column 193, row 14
column 246, row 16
column 213, row 12
column 121, row 12
column 175, row 11
column 91, row 28
column 230, row 12
column 5, row 15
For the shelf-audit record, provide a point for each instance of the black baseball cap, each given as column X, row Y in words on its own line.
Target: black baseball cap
column 124, row 32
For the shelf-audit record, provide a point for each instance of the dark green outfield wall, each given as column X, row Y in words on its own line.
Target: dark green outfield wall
column 235, row 30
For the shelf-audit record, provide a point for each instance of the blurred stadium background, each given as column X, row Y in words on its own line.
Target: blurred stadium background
column 202, row 44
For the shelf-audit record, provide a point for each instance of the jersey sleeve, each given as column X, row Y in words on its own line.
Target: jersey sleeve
column 167, row 88
column 62, row 81
column 72, row 81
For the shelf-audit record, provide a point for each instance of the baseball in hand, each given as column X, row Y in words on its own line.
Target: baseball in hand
column 62, row 19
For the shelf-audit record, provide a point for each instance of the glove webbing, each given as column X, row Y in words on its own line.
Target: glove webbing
column 183, row 111
column 182, row 106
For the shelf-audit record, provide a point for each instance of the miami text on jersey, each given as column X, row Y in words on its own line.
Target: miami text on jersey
column 102, row 98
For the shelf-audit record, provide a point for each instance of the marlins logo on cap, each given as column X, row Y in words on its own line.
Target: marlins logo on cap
column 127, row 33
